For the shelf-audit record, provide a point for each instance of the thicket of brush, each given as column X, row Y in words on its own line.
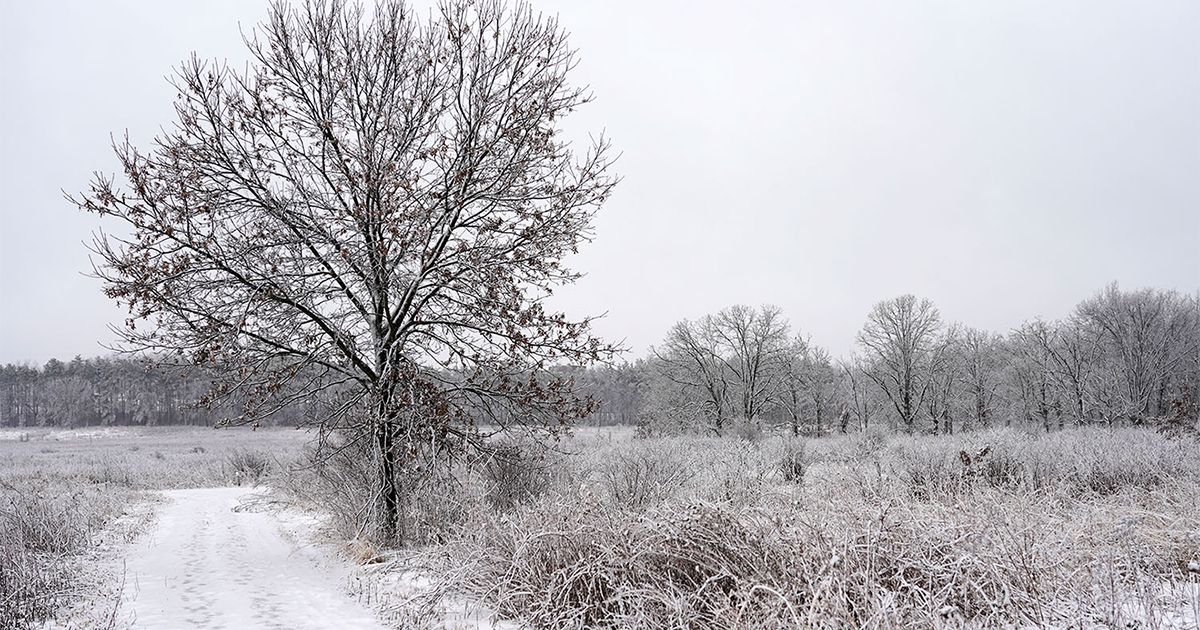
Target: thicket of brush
column 44, row 524
column 1077, row 528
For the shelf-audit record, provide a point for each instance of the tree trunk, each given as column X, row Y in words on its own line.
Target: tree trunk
column 907, row 411
column 389, row 491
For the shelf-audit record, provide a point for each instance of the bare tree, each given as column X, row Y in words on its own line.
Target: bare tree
column 807, row 385
column 733, row 360
column 945, row 368
column 1186, row 402
column 1032, row 369
column 689, row 358
column 1072, row 352
column 820, row 380
column 981, row 374
column 791, row 396
column 751, row 343
column 378, row 205
column 902, row 340
column 1148, row 336
column 863, row 403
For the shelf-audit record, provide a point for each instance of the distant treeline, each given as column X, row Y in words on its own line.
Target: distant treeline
column 105, row 391
column 124, row 390
column 1120, row 357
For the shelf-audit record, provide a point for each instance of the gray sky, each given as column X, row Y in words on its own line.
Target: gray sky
column 1005, row 159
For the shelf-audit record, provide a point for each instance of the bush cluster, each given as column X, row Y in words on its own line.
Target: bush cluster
column 1002, row 528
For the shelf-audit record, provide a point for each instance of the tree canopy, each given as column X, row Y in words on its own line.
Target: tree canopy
column 378, row 206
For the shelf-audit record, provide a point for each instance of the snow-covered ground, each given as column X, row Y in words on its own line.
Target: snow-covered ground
column 216, row 558
column 61, row 435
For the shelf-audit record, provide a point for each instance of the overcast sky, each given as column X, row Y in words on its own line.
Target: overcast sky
column 1005, row 159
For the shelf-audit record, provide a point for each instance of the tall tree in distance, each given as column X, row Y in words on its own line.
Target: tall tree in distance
column 689, row 358
column 733, row 359
column 944, row 371
column 379, row 206
column 793, row 383
column 1032, row 368
column 982, row 375
column 808, row 385
column 752, row 343
column 903, row 344
column 1148, row 336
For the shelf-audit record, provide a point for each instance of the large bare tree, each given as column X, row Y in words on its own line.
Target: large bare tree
column 378, row 205
column 981, row 367
column 903, row 343
column 752, row 343
column 689, row 358
column 1149, row 336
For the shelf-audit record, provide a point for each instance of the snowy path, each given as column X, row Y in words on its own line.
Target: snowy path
column 207, row 565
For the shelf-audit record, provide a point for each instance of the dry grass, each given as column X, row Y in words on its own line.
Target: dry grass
column 42, row 525
column 1088, row 528
column 638, row 477
column 1085, row 528
column 515, row 474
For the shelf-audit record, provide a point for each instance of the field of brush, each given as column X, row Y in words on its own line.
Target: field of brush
column 68, row 495
column 1072, row 529
column 1075, row 529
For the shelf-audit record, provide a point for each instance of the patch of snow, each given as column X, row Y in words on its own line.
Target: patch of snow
column 20, row 435
column 89, row 434
column 1160, row 604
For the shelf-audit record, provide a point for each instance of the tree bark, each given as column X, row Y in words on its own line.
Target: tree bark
column 389, row 491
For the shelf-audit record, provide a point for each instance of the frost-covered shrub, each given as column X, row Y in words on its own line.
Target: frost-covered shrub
column 248, row 466
column 515, row 474
column 644, row 474
column 41, row 527
column 792, row 462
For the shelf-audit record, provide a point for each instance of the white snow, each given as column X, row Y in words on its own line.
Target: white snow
column 213, row 560
column 9, row 434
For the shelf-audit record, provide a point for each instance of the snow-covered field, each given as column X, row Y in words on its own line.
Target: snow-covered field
column 184, row 549
column 58, row 435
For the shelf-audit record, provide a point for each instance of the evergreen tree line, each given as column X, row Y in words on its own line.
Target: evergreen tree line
column 106, row 391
